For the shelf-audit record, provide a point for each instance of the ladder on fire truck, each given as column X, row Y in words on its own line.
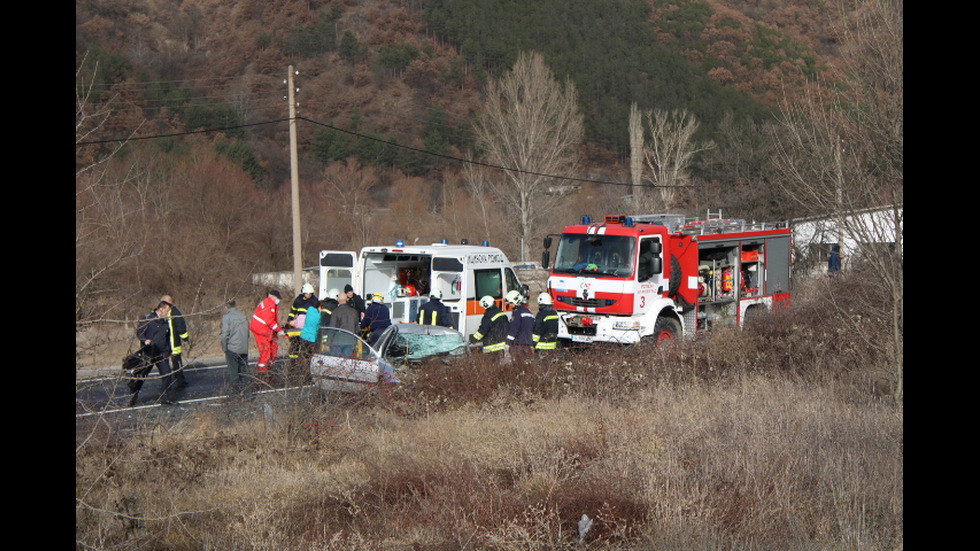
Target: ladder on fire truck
column 713, row 223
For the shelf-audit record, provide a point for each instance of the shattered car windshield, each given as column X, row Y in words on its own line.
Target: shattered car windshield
column 415, row 346
column 421, row 346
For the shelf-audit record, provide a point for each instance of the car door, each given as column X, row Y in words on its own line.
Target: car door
column 342, row 361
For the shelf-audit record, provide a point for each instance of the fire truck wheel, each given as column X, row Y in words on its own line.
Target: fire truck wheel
column 666, row 330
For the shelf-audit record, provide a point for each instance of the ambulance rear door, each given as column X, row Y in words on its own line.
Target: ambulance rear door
column 337, row 269
column 448, row 276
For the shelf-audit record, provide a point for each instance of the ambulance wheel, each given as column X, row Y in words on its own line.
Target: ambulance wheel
column 666, row 331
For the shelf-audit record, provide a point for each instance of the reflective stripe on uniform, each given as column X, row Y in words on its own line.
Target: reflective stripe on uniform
column 497, row 347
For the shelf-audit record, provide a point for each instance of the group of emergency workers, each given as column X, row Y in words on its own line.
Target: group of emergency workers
column 163, row 332
column 522, row 335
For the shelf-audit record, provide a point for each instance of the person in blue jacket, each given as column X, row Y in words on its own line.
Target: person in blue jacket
column 376, row 318
column 310, row 332
column 520, row 336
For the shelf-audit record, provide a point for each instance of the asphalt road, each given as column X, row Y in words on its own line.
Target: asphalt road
column 208, row 381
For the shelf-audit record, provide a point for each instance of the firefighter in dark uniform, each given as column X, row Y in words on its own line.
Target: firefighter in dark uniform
column 435, row 312
column 297, row 314
column 178, row 336
column 493, row 327
column 520, row 336
column 545, row 326
column 329, row 305
column 153, row 333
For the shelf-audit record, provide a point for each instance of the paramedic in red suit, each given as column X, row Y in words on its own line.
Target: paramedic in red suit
column 266, row 330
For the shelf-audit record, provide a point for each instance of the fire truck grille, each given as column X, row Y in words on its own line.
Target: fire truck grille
column 589, row 330
column 587, row 303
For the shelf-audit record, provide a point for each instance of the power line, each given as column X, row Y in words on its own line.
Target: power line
column 462, row 160
column 386, row 142
column 178, row 134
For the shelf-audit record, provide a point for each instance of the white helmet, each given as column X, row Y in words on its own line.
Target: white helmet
column 333, row 293
column 486, row 301
column 545, row 299
column 514, row 297
column 307, row 289
column 436, row 294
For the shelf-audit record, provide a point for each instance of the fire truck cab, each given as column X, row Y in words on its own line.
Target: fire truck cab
column 662, row 276
column 406, row 275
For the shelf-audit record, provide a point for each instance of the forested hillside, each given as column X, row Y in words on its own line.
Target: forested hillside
column 358, row 60
column 388, row 94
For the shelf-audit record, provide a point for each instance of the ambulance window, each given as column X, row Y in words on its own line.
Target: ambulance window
column 339, row 260
column 446, row 265
column 488, row 283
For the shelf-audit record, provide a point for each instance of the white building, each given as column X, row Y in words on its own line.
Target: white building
column 815, row 237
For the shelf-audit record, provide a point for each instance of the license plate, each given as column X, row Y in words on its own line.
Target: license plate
column 581, row 338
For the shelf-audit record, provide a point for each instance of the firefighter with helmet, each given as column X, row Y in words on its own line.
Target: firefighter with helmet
column 327, row 307
column 376, row 318
column 545, row 334
column 520, row 336
column 493, row 327
column 297, row 318
column 434, row 312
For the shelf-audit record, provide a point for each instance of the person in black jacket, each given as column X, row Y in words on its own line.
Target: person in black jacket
column 178, row 336
column 545, row 325
column 355, row 300
column 153, row 333
column 327, row 307
column 435, row 312
column 493, row 327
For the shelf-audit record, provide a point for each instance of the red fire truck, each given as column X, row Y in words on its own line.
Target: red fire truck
column 661, row 275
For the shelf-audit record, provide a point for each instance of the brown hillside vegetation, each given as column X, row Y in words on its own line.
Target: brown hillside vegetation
column 230, row 54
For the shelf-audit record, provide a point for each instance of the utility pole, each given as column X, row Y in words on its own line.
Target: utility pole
column 294, row 173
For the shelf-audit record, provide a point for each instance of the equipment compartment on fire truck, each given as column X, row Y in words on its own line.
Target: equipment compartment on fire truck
column 733, row 273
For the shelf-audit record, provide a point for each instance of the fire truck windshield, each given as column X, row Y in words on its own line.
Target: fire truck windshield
column 601, row 255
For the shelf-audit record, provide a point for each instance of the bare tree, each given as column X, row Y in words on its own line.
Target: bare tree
column 840, row 151
column 104, row 240
column 531, row 126
column 669, row 155
column 478, row 184
column 636, row 151
column 349, row 186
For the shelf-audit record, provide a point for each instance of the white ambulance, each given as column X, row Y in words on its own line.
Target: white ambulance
column 406, row 275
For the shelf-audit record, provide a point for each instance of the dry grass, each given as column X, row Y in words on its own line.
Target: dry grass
column 739, row 441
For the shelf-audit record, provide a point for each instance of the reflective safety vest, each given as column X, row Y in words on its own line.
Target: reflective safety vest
column 493, row 330
column 546, row 329
column 178, row 330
